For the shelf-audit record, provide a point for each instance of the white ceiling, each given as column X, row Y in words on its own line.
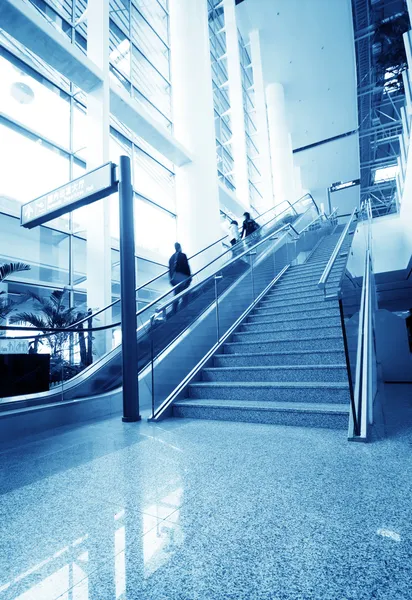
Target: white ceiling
column 308, row 46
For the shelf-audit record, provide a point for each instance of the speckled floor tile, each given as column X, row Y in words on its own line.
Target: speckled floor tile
column 209, row 510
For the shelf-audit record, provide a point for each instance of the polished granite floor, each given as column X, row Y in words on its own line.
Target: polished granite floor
column 209, row 510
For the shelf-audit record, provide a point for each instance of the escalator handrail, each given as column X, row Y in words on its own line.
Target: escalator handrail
column 150, row 281
column 287, row 226
column 54, row 330
column 101, row 310
column 72, row 329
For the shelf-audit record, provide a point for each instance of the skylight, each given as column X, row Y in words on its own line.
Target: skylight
column 386, row 173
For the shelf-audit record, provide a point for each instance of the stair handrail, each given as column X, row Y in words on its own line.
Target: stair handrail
column 331, row 262
column 74, row 328
column 287, row 226
column 362, row 408
column 285, row 229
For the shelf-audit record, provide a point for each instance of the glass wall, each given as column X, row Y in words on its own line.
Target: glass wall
column 255, row 178
column 139, row 46
column 42, row 146
column 139, row 53
column 223, row 127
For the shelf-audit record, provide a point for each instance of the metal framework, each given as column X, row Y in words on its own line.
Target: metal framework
column 380, row 96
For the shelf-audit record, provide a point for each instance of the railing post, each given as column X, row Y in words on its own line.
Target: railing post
column 216, row 278
column 348, row 368
column 252, row 254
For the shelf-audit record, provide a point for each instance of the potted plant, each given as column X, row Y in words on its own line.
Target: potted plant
column 53, row 313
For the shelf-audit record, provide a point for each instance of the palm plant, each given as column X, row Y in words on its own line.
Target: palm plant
column 51, row 313
column 6, row 305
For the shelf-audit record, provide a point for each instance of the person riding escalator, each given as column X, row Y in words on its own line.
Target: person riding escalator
column 180, row 275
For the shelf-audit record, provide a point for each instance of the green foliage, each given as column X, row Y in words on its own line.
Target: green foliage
column 6, row 305
column 10, row 268
column 50, row 313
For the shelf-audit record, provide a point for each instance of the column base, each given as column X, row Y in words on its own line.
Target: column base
column 131, row 419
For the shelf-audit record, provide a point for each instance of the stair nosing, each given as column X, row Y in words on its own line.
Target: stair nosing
column 282, row 352
column 274, row 367
column 268, row 406
column 300, row 310
column 283, row 341
column 247, row 333
column 291, row 320
column 316, row 385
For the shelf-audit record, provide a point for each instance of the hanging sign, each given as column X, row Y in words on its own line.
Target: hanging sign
column 92, row 186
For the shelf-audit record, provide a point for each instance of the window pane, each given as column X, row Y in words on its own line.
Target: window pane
column 149, row 43
column 155, row 15
column 44, row 249
column 120, row 14
column 150, row 83
column 79, row 262
column 34, row 61
column 53, row 17
column 158, row 116
column 33, row 101
column 119, row 50
column 79, row 143
column 30, row 168
column 152, row 180
column 155, row 229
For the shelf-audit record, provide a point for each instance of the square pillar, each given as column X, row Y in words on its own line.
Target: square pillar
column 197, row 192
column 262, row 120
column 98, row 282
column 237, row 111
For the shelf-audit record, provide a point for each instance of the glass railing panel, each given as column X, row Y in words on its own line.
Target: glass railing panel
column 86, row 359
column 52, row 363
column 213, row 307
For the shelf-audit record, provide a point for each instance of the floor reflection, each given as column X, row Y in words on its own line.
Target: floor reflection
column 140, row 541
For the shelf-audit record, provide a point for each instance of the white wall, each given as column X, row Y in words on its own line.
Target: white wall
column 390, row 245
column 393, row 347
column 308, row 47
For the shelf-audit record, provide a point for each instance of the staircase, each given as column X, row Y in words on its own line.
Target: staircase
column 286, row 363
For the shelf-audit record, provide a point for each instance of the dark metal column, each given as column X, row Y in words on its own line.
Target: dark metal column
column 128, row 294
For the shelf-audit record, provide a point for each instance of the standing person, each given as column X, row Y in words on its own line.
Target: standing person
column 179, row 274
column 234, row 232
column 249, row 226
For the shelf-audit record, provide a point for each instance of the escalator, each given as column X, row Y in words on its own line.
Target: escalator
column 160, row 327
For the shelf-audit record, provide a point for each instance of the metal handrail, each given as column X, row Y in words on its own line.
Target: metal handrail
column 288, row 226
column 362, row 391
column 74, row 326
column 142, row 286
column 359, row 406
column 234, row 259
column 331, row 262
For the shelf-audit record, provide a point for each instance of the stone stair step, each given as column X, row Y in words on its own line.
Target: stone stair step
column 327, row 308
column 313, row 292
column 329, row 392
column 283, row 358
column 308, row 279
column 303, row 326
column 310, row 285
column 295, row 322
column 286, row 362
column 278, row 303
column 290, row 335
column 291, row 345
column 301, row 373
column 327, row 416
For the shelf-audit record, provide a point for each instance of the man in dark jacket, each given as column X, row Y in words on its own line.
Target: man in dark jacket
column 249, row 226
column 179, row 274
